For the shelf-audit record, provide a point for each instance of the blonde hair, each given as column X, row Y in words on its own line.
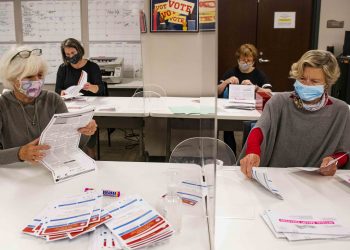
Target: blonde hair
column 321, row 59
column 16, row 68
column 247, row 50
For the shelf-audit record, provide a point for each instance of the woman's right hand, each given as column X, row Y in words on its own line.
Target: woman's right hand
column 63, row 92
column 32, row 152
column 248, row 162
column 232, row 80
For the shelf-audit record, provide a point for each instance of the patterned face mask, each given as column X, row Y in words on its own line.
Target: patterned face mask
column 30, row 88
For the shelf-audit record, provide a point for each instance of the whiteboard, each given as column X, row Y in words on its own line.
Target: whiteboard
column 131, row 52
column 7, row 22
column 51, row 52
column 50, row 20
column 114, row 20
column 5, row 47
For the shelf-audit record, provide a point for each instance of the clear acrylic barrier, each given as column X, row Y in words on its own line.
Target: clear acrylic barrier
column 145, row 101
column 152, row 87
column 199, row 158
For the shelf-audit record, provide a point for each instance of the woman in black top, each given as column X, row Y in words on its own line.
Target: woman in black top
column 244, row 73
column 69, row 72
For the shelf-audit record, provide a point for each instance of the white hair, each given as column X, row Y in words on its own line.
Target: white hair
column 19, row 68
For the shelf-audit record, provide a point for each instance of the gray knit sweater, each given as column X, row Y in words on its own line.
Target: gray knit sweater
column 23, row 123
column 299, row 138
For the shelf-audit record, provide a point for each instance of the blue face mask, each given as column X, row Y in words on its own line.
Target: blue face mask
column 308, row 93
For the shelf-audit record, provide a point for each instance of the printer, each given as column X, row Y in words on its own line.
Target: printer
column 111, row 68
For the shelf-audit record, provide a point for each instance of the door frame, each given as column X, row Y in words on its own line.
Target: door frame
column 315, row 29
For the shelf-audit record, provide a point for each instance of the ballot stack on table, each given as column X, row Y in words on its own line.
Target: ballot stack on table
column 131, row 220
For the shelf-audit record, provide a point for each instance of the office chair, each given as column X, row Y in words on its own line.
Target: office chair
column 202, row 151
column 153, row 88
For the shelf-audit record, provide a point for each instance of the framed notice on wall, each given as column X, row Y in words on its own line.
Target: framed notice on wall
column 174, row 15
column 207, row 10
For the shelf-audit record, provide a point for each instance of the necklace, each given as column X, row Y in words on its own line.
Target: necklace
column 32, row 120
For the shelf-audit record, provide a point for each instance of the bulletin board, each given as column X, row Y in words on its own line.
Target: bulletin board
column 105, row 27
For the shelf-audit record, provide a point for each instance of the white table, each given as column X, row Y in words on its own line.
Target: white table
column 25, row 190
column 126, row 88
column 246, row 200
column 128, row 113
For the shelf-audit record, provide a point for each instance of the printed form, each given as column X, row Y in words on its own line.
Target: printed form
column 74, row 91
column 65, row 159
column 260, row 175
column 241, row 97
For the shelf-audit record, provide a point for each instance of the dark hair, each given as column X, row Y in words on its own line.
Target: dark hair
column 71, row 43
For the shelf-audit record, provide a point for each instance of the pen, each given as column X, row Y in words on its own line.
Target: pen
column 336, row 159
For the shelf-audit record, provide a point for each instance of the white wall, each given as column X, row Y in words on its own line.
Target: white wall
column 338, row 10
column 185, row 64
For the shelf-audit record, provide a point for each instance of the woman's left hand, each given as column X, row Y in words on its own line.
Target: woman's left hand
column 328, row 170
column 89, row 129
column 90, row 87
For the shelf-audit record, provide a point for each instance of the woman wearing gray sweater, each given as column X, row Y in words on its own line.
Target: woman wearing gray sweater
column 303, row 128
column 26, row 109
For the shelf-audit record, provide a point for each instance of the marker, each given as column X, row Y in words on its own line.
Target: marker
column 109, row 193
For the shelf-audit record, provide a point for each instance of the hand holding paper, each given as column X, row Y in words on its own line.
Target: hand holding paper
column 73, row 91
column 248, row 162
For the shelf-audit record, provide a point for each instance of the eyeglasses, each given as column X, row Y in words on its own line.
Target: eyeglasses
column 26, row 53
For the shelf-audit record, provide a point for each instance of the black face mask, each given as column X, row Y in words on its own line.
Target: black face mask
column 74, row 59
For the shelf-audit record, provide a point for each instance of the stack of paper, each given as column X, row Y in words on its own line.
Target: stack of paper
column 136, row 224
column 305, row 226
column 241, row 97
column 260, row 175
column 69, row 217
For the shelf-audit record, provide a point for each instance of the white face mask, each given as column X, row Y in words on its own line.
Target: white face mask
column 244, row 67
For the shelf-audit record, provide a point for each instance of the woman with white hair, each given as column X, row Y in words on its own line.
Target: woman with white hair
column 27, row 109
column 303, row 128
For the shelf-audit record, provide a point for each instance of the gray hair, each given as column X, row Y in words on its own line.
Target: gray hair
column 16, row 68
column 321, row 59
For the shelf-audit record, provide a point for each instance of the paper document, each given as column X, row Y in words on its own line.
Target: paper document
column 295, row 236
column 102, row 238
column 64, row 158
column 241, row 97
column 69, row 217
column 260, row 175
column 74, row 91
column 307, row 169
column 305, row 226
column 344, row 176
column 136, row 224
